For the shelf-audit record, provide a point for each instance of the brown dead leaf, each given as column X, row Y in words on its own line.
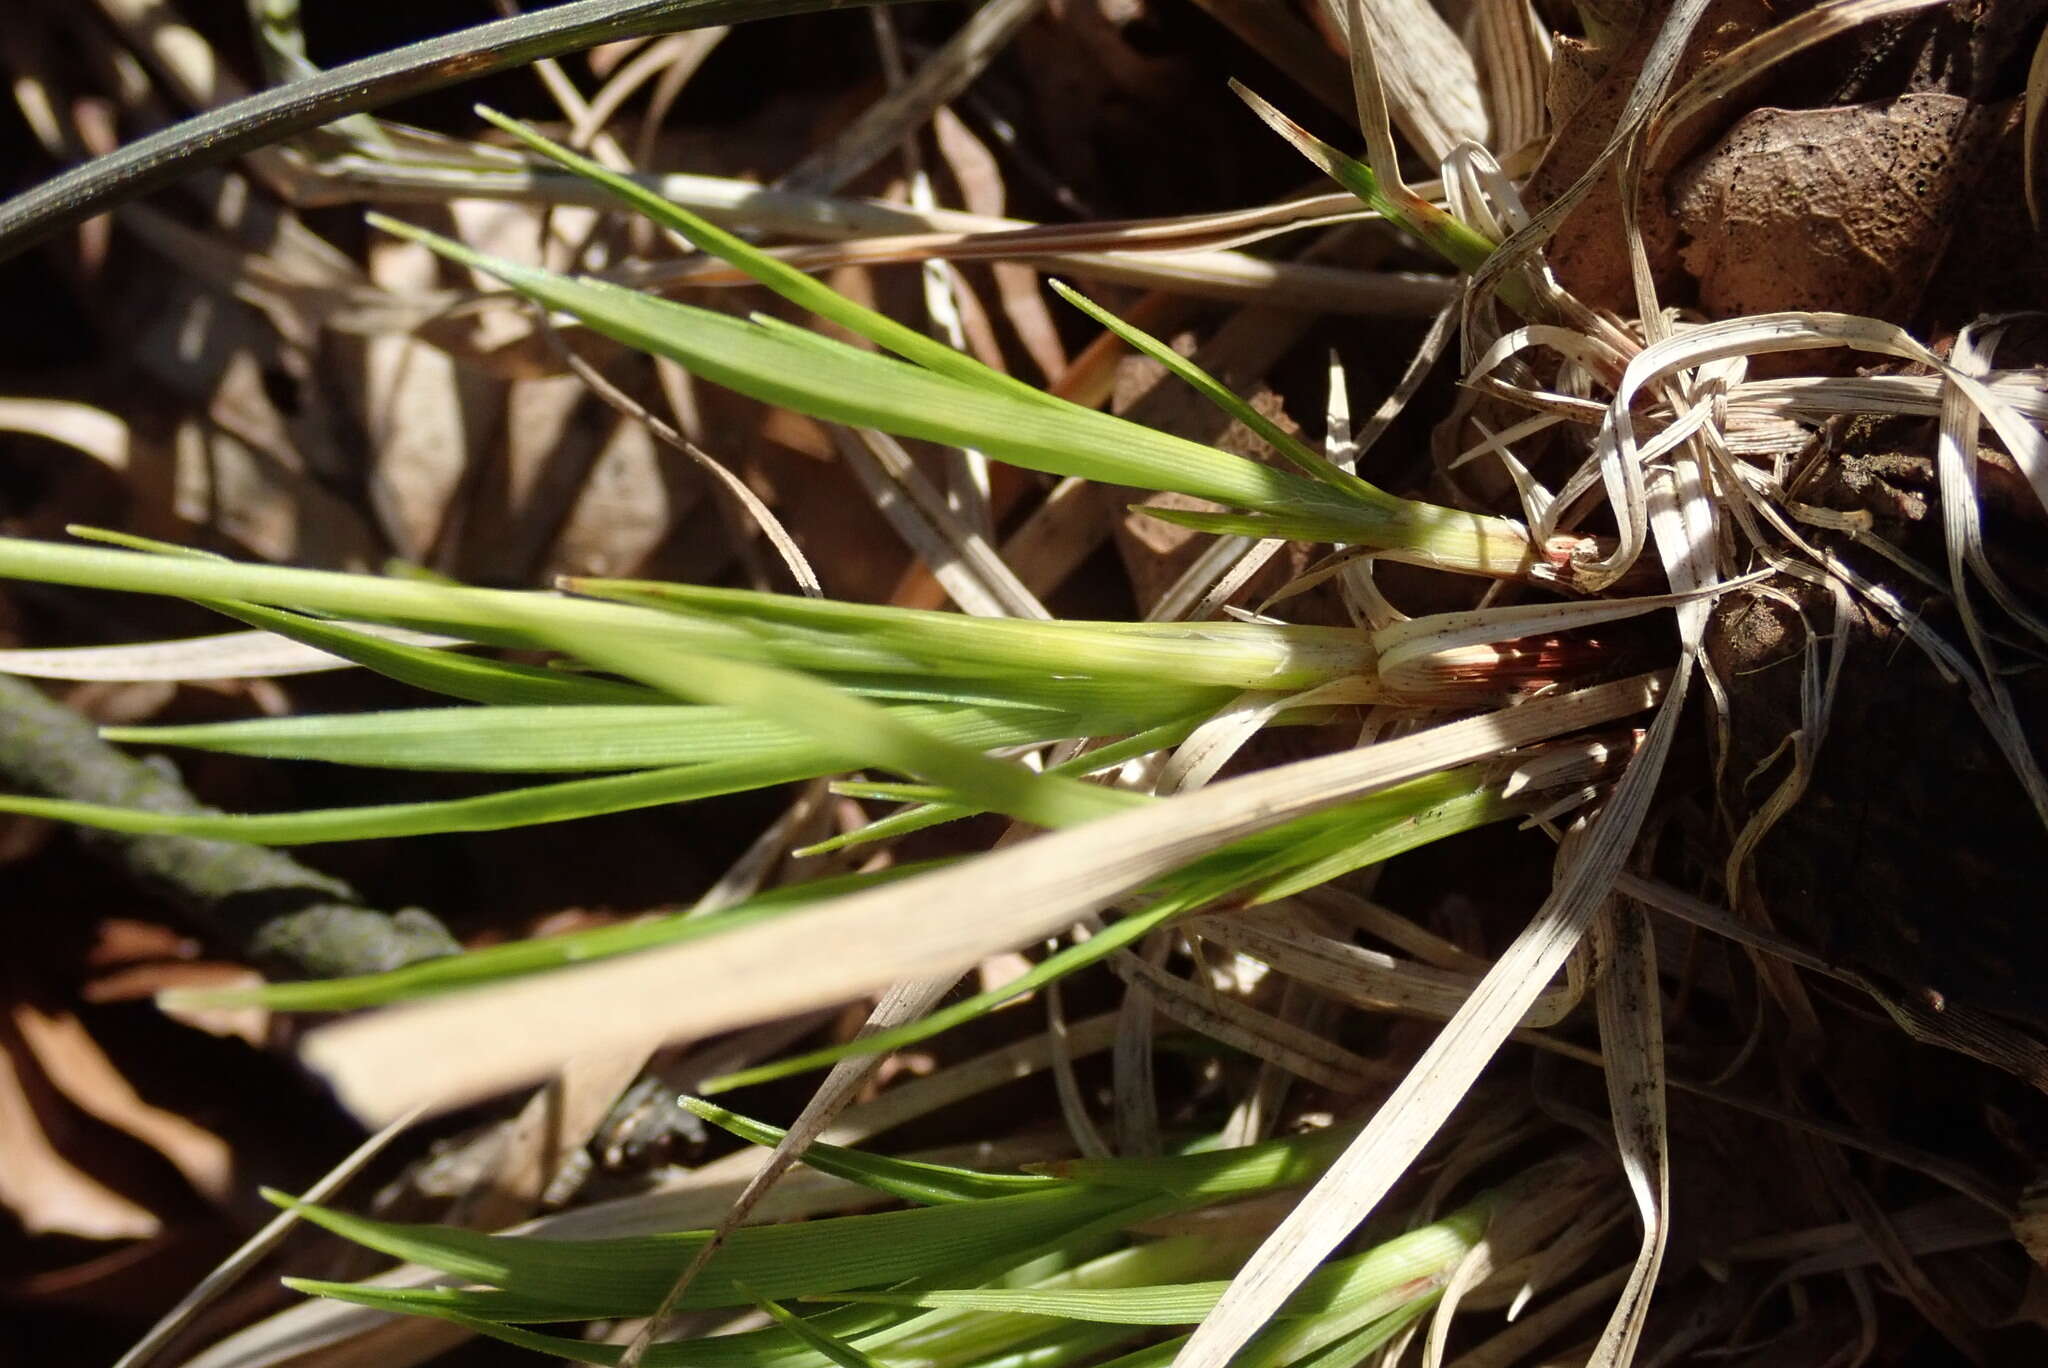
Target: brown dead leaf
column 81, row 1071
column 45, row 1192
column 1844, row 209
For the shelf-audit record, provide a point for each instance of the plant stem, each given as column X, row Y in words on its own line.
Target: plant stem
column 262, row 904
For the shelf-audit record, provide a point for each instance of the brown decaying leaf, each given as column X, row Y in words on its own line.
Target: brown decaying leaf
column 1844, row 209
column 41, row 1188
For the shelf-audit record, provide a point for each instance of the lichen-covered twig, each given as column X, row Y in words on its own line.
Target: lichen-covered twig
column 260, row 904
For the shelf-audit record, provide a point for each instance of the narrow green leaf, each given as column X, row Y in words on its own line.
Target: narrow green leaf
column 907, row 1179
column 933, row 813
column 773, row 1347
column 1242, row 655
column 1458, row 242
column 1209, row 1175
column 627, row 1277
column 1311, row 462
column 1363, row 1287
column 799, row 289
column 1069, row 1344
column 833, row 1348
column 450, row 672
column 532, row 740
column 874, row 733
column 847, row 386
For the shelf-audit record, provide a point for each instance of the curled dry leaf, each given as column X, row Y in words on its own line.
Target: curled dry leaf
column 1844, row 209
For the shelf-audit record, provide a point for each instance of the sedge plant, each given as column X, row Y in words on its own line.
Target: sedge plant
column 667, row 693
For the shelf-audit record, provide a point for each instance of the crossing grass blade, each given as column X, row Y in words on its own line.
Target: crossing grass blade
column 1244, row 655
column 944, row 397
column 512, row 959
column 1299, row 854
column 540, row 1280
column 906, row 1179
column 1363, row 1287
column 526, row 739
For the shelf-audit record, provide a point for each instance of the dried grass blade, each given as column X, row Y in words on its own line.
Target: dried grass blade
column 1431, row 83
column 1631, row 1011
column 229, row 655
column 972, row 572
column 1264, row 1036
column 457, row 1049
column 1420, row 1104
column 1363, row 977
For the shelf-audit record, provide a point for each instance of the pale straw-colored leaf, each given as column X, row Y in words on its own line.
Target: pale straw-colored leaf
column 959, row 556
column 94, row 431
column 1440, row 1079
column 1431, row 84
column 230, row 655
column 885, row 124
column 1304, row 1053
column 1631, row 1011
column 459, row 1048
column 1364, row 978
column 1210, row 746
column 1514, row 51
column 1956, row 463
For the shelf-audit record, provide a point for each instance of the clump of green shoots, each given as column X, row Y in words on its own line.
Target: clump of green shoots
column 663, row 693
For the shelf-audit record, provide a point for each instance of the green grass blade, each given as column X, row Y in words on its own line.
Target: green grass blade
column 482, row 615
column 1367, row 1285
column 874, row 733
column 1310, row 461
column 833, row 1348
column 449, row 672
column 910, row 1180
column 788, row 369
column 773, row 1347
column 1212, row 1175
column 930, row 814
column 628, row 1277
column 1459, row 243
column 798, row 288
column 1240, row 655
column 533, row 740
column 1070, row 1344
column 531, row 806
